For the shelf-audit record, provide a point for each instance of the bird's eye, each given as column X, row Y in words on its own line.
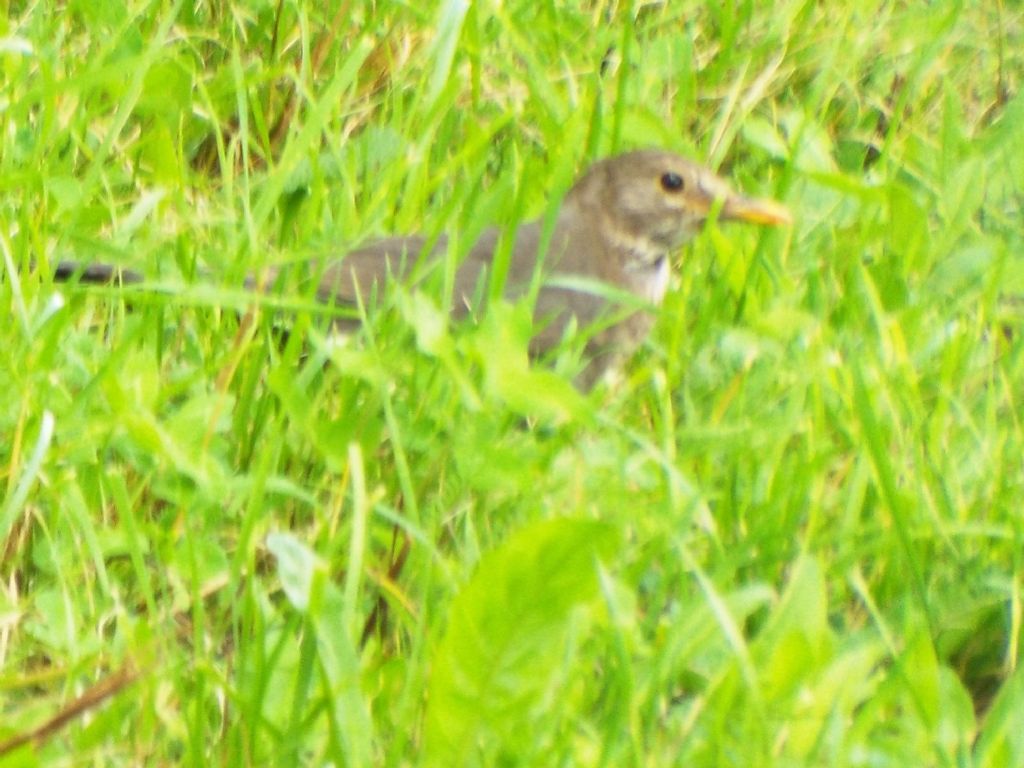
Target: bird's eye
column 672, row 182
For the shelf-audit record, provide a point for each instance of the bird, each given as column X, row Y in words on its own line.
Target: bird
column 605, row 264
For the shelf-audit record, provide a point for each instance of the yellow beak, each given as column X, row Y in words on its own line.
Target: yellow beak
column 754, row 210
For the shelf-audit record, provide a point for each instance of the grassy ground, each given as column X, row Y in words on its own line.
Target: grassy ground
column 790, row 535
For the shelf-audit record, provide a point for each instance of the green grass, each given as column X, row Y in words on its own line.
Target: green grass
column 790, row 534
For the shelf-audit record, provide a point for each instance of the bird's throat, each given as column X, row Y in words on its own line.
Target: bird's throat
column 647, row 274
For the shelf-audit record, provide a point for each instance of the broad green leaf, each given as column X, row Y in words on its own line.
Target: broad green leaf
column 500, row 343
column 506, row 638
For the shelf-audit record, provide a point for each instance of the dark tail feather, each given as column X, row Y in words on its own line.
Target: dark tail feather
column 73, row 271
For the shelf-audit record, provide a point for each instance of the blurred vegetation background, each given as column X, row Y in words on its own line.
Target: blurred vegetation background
column 789, row 534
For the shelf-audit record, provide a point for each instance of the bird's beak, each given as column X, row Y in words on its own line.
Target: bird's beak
column 755, row 210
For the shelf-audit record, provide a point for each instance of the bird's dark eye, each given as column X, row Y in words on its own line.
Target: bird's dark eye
column 672, row 182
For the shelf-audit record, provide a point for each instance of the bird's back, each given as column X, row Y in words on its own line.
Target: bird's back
column 574, row 251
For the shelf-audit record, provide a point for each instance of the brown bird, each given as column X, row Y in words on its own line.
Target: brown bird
column 615, row 228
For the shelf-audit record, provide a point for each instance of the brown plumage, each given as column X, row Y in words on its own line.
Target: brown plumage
column 616, row 227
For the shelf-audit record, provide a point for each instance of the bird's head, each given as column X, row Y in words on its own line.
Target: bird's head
column 653, row 201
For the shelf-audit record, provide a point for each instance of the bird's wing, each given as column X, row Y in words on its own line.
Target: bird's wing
column 367, row 270
column 477, row 268
column 364, row 271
